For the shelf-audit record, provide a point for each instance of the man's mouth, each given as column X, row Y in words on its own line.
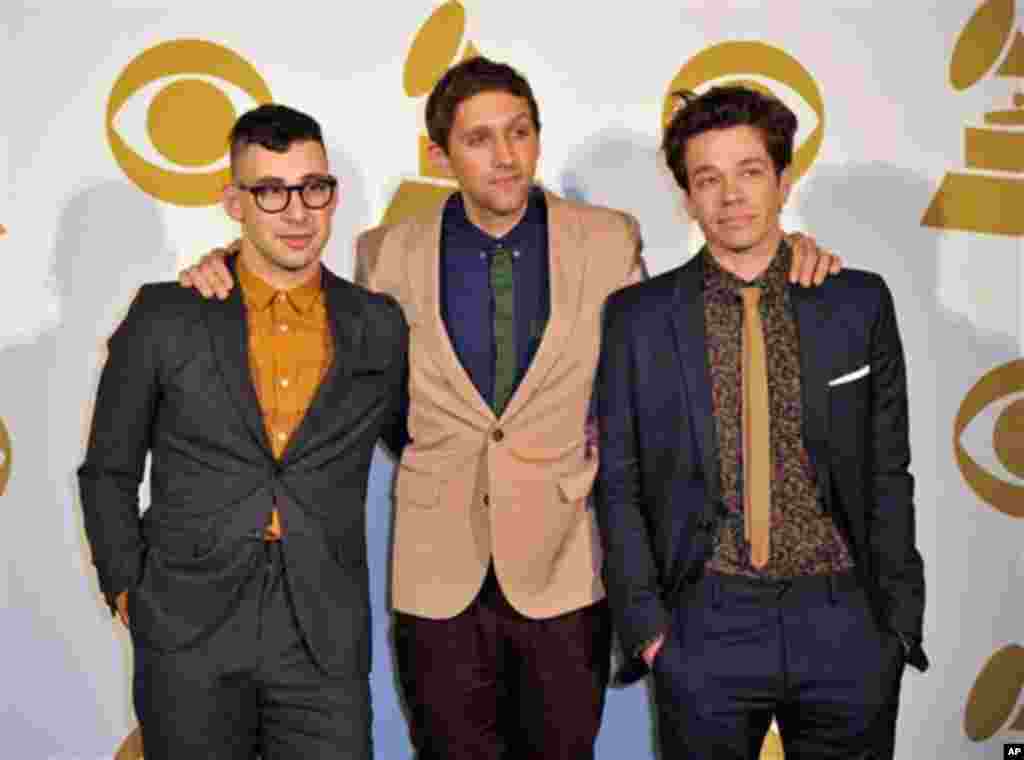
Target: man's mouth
column 741, row 220
column 297, row 242
column 505, row 182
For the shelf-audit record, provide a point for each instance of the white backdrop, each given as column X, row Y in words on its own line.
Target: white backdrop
column 83, row 236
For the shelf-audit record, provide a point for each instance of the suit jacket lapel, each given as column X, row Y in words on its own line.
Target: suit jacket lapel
column 567, row 260
column 687, row 320
column 229, row 332
column 347, row 324
column 425, row 285
column 813, row 313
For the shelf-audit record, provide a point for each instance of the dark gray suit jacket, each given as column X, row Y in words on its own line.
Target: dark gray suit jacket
column 177, row 386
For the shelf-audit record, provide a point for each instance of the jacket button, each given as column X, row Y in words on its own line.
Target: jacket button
column 498, row 435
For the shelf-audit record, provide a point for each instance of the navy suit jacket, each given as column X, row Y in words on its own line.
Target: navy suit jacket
column 177, row 386
column 658, row 488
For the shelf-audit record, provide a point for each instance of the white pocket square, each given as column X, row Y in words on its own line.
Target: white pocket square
column 849, row 377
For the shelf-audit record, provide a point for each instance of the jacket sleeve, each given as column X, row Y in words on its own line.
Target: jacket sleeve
column 119, row 442
column 395, row 434
column 890, row 524
column 630, row 574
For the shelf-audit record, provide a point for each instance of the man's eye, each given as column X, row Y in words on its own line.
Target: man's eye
column 269, row 192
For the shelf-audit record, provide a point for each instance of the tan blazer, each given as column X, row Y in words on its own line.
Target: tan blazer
column 471, row 486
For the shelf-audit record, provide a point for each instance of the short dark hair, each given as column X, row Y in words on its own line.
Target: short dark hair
column 724, row 107
column 274, row 127
column 463, row 81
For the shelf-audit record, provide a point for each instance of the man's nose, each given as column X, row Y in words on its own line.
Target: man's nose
column 731, row 190
column 296, row 210
column 503, row 154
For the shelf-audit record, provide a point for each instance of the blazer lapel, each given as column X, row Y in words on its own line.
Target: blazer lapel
column 813, row 314
column 347, row 324
column 424, row 283
column 567, row 265
column 687, row 321
column 229, row 332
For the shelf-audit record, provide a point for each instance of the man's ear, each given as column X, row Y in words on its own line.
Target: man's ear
column 231, row 200
column 785, row 185
column 439, row 158
column 690, row 206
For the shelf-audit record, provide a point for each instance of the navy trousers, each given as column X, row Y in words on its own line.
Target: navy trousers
column 807, row 652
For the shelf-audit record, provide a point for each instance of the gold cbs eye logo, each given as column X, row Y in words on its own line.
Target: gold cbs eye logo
column 5, row 458
column 1007, row 438
column 735, row 63
column 994, row 702
column 996, row 695
column 187, row 121
column 131, row 747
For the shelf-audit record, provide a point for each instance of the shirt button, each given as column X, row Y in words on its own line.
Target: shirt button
column 487, row 500
column 284, row 382
column 283, row 328
column 282, row 436
column 498, row 435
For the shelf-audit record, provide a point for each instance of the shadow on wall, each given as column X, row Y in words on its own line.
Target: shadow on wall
column 870, row 214
column 73, row 668
column 352, row 215
column 625, row 170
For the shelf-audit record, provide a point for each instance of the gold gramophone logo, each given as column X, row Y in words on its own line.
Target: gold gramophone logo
column 737, row 63
column 438, row 45
column 187, row 121
column 989, row 195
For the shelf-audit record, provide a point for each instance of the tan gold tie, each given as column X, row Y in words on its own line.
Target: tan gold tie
column 757, row 489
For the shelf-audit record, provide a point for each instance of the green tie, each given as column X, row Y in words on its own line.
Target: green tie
column 503, row 287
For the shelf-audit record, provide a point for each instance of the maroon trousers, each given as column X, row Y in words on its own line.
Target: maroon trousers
column 491, row 684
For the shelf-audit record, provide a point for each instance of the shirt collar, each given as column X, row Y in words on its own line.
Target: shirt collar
column 518, row 236
column 772, row 280
column 259, row 294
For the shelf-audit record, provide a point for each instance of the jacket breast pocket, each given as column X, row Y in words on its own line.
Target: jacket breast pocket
column 850, row 396
column 196, row 384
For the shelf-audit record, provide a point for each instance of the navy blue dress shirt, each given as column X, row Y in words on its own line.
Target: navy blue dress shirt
column 467, row 301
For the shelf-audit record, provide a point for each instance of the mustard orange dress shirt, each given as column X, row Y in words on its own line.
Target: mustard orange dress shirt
column 290, row 351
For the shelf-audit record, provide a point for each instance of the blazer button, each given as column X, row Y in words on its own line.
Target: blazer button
column 498, row 435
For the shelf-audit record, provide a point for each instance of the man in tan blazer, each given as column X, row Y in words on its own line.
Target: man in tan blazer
column 502, row 632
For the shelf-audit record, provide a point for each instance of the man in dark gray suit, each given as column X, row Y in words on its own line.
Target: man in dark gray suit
column 244, row 584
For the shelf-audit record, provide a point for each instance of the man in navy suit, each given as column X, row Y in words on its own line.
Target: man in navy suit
column 760, row 553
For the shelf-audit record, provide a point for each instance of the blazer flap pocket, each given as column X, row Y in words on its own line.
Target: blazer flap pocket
column 577, row 486
column 850, row 377
column 418, row 489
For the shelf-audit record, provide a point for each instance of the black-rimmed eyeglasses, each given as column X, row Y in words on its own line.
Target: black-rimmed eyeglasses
column 274, row 198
